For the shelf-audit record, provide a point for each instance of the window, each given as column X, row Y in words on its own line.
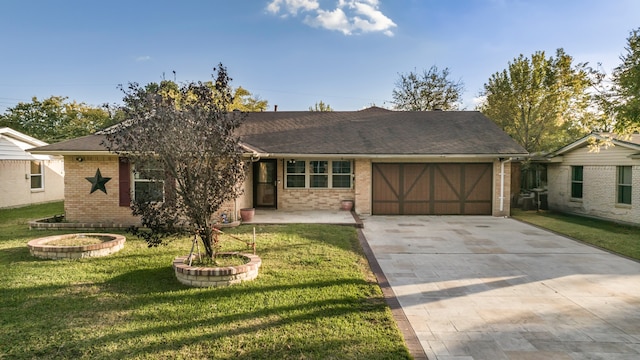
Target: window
column 341, row 171
column 36, row 175
column 148, row 183
column 624, row 185
column 576, row 182
column 295, row 174
column 318, row 174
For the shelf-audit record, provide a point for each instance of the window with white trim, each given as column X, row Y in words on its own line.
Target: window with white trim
column 624, row 185
column 296, row 174
column 36, row 171
column 341, row 174
column 319, row 174
column 319, row 177
column 148, row 183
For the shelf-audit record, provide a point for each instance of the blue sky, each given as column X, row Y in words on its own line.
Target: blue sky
column 292, row 53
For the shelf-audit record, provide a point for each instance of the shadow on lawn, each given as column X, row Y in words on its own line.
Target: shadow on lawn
column 206, row 328
column 15, row 254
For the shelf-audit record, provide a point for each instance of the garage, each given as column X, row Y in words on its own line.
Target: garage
column 432, row 188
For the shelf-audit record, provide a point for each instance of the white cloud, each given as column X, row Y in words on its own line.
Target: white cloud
column 331, row 20
column 374, row 19
column 349, row 16
column 143, row 58
column 292, row 6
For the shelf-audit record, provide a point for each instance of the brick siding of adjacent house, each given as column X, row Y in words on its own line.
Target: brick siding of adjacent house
column 599, row 193
column 15, row 183
column 599, row 186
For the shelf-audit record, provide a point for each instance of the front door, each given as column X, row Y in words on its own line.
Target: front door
column 264, row 184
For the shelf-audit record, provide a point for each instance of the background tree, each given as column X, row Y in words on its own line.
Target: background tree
column 431, row 90
column 55, row 119
column 243, row 100
column 543, row 103
column 186, row 132
column 625, row 93
column 320, row 106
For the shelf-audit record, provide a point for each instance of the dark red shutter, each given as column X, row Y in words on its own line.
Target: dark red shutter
column 169, row 187
column 125, row 182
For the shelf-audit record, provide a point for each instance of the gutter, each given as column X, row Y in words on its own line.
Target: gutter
column 73, row 152
column 383, row 156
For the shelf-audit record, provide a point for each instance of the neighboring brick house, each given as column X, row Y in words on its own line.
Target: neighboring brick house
column 27, row 179
column 387, row 162
column 603, row 184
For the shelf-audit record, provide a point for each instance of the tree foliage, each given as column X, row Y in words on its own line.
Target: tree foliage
column 187, row 131
column 243, row 100
column 542, row 102
column 625, row 93
column 320, row 106
column 431, row 90
column 55, row 119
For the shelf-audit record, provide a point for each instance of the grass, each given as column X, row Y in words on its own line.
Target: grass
column 77, row 241
column 315, row 298
column 618, row 238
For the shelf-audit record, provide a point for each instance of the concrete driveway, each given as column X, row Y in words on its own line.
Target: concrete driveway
column 495, row 288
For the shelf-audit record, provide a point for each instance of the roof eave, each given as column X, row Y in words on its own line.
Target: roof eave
column 74, row 152
column 581, row 142
column 385, row 156
column 9, row 132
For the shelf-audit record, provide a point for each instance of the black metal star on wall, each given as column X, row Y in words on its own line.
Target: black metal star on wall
column 98, row 182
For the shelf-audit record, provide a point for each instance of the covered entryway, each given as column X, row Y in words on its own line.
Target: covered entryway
column 432, row 188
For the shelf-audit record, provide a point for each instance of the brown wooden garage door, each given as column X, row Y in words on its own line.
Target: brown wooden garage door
column 432, row 189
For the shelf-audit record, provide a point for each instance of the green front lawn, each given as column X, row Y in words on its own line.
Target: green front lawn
column 621, row 239
column 315, row 298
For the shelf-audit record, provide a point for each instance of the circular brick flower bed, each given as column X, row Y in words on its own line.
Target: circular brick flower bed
column 200, row 276
column 110, row 243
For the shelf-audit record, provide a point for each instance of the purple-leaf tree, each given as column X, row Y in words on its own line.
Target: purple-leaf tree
column 181, row 140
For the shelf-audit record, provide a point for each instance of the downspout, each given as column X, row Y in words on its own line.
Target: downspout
column 502, row 162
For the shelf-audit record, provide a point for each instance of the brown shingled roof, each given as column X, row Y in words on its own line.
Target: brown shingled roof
column 377, row 132
column 372, row 131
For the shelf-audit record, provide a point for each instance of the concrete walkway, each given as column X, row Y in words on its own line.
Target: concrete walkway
column 494, row 288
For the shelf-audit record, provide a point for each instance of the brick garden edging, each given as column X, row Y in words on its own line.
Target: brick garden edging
column 216, row 276
column 50, row 224
column 39, row 248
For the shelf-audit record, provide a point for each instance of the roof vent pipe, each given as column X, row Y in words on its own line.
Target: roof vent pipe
column 275, row 108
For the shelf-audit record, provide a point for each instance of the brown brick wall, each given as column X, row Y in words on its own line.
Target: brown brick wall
column 309, row 199
column 362, row 186
column 80, row 205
